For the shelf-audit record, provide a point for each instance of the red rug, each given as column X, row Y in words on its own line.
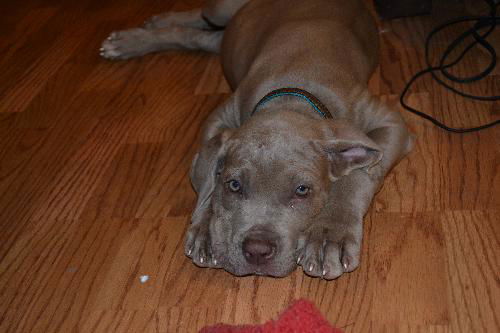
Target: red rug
column 300, row 317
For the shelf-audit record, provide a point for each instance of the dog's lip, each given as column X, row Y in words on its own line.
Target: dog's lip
column 265, row 270
column 260, row 271
column 253, row 270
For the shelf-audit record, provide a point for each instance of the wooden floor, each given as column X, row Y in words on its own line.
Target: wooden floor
column 94, row 190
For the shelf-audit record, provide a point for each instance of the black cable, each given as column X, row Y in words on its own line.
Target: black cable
column 481, row 22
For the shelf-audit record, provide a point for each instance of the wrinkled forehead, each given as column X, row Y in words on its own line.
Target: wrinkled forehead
column 270, row 146
column 274, row 157
column 276, row 144
column 274, row 137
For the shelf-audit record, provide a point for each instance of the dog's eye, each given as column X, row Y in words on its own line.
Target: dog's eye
column 234, row 185
column 302, row 191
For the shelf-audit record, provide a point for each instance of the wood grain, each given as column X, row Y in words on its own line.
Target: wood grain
column 94, row 189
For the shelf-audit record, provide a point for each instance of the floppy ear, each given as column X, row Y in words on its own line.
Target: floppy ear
column 348, row 149
column 205, row 168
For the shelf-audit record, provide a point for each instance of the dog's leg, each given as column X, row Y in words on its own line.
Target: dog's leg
column 174, row 31
column 140, row 41
column 189, row 19
column 217, row 12
column 198, row 245
column 332, row 245
column 198, row 241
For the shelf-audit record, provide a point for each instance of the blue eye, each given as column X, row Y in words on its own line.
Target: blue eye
column 234, row 185
column 302, row 191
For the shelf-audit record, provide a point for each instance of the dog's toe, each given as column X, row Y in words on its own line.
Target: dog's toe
column 351, row 251
column 332, row 267
column 109, row 50
column 203, row 257
column 311, row 259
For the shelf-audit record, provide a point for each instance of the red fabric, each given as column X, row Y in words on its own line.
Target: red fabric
column 301, row 317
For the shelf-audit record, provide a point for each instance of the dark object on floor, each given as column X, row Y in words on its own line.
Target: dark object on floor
column 301, row 317
column 388, row 9
column 483, row 26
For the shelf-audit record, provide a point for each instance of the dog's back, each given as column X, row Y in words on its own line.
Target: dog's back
column 310, row 38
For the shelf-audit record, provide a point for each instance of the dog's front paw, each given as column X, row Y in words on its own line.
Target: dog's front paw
column 327, row 252
column 198, row 246
column 127, row 44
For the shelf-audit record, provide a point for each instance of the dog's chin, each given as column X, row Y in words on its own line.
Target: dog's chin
column 276, row 271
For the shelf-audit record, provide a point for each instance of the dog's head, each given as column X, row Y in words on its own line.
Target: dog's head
column 265, row 182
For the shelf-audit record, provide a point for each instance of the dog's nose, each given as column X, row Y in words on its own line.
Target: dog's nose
column 258, row 250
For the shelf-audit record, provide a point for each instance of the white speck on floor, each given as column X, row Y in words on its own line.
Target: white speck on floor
column 144, row 278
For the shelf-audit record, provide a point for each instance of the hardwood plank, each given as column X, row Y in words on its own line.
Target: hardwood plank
column 34, row 68
column 472, row 246
column 397, row 241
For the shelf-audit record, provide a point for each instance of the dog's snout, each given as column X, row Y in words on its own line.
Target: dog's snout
column 258, row 250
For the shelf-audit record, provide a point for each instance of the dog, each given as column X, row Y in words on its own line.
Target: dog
column 290, row 162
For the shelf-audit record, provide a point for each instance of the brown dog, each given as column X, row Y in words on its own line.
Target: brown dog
column 284, row 176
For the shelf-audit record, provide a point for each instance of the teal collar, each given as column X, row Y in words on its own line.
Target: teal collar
column 305, row 95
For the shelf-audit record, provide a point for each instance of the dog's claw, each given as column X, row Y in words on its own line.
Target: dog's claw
column 327, row 252
column 215, row 262
column 299, row 259
column 202, row 259
column 190, row 251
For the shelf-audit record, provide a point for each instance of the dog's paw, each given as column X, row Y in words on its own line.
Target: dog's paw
column 327, row 253
column 198, row 246
column 127, row 44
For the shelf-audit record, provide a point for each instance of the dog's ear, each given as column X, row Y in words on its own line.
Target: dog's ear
column 348, row 149
column 207, row 165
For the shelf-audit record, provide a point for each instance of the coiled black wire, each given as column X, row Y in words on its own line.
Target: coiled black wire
column 490, row 22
